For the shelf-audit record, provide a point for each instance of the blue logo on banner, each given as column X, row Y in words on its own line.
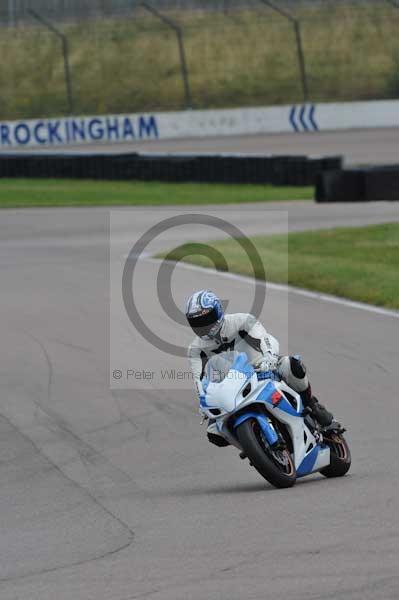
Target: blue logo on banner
column 302, row 118
column 74, row 130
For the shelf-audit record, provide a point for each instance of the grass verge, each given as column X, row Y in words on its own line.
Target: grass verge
column 357, row 263
column 243, row 57
column 16, row 193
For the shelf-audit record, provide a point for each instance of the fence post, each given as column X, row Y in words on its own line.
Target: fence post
column 65, row 53
column 179, row 35
column 299, row 46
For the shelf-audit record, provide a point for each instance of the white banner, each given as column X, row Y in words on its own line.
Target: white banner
column 71, row 131
column 77, row 130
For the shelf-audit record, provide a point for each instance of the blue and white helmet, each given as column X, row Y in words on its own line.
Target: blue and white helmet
column 205, row 314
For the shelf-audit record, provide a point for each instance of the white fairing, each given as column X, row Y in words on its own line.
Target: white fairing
column 226, row 394
column 237, row 389
column 303, row 439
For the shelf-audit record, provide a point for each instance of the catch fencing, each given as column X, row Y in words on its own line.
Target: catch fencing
column 13, row 11
column 103, row 57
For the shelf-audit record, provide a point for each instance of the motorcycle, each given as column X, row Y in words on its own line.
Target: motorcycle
column 265, row 419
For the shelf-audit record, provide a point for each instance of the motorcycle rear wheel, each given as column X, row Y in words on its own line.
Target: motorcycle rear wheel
column 341, row 459
column 276, row 466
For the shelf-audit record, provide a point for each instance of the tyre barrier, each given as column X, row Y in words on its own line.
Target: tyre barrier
column 358, row 185
column 203, row 168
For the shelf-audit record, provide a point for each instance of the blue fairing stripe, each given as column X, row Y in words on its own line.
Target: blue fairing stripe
column 245, row 417
column 262, row 375
column 267, row 391
column 267, row 428
column 308, row 462
column 283, row 404
column 205, row 383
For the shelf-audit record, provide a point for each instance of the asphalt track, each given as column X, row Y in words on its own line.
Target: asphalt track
column 115, row 495
column 359, row 147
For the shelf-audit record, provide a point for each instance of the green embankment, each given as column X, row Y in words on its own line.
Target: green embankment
column 358, row 263
column 235, row 59
column 16, row 193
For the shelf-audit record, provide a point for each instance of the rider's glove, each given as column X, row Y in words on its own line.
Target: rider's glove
column 265, row 363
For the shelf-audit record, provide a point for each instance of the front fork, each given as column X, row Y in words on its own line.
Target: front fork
column 271, row 435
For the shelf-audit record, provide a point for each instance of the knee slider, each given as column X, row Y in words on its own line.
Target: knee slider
column 298, row 369
column 293, row 372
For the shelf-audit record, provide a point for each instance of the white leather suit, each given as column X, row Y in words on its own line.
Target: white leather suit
column 244, row 333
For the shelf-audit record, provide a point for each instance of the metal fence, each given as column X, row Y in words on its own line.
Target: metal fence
column 16, row 11
column 156, row 57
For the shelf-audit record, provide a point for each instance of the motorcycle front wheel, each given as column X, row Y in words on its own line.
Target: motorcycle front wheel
column 276, row 466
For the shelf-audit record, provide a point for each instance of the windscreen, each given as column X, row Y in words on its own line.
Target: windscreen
column 219, row 365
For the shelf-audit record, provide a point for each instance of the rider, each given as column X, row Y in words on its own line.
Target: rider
column 217, row 332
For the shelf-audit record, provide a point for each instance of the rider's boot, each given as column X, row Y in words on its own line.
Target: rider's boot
column 319, row 412
column 293, row 372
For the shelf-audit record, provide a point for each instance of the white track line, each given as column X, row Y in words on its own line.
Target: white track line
column 288, row 288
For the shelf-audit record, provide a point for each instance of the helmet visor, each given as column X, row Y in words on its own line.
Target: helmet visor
column 204, row 323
